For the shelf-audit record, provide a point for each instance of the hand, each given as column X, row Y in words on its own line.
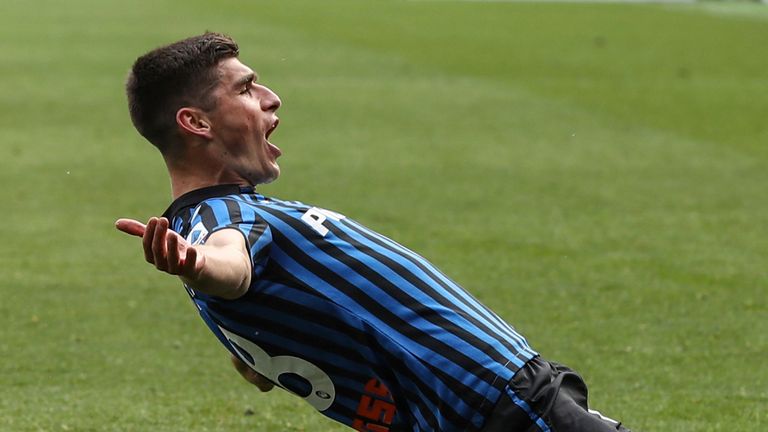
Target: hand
column 252, row 376
column 164, row 248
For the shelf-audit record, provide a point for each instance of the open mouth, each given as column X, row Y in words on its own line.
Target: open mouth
column 272, row 128
column 273, row 149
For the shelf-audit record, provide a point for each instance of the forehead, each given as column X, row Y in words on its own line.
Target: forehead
column 232, row 70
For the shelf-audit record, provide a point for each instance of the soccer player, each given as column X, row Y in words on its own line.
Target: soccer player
column 366, row 331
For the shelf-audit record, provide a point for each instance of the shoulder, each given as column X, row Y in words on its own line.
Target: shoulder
column 216, row 213
column 226, row 209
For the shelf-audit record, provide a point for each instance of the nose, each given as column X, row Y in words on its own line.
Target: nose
column 269, row 100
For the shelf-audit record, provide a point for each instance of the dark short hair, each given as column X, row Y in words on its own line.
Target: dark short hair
column 171, row 77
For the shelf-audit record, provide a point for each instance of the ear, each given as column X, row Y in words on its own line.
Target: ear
column 194, row 121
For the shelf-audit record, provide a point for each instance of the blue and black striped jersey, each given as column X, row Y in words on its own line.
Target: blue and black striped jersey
column 365, row 330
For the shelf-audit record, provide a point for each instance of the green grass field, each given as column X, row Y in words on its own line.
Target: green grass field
column 594, row 173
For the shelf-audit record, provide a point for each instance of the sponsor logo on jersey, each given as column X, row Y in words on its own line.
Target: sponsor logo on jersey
column 376, row 409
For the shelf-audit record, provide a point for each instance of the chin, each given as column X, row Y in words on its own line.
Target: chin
column 269, row 177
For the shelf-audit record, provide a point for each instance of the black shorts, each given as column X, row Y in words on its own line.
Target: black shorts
column 544, row 396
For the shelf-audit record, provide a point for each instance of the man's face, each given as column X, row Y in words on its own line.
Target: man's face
column 241, row 122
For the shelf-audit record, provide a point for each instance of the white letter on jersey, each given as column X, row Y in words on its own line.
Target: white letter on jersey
column 315, row 217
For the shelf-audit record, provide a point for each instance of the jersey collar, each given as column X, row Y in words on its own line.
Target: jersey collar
column 197, row 196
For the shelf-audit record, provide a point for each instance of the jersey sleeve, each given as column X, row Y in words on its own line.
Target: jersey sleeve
column 225, row 213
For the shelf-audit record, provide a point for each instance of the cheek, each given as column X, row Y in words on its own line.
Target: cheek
column 238, row 131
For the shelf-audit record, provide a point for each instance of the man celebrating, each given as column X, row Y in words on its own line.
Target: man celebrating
column 366, row 331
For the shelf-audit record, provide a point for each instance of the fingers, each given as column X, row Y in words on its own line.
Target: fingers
column 239, row 365
column 252, row 376
column 262, row 382
column 191, row 262
column 160, row 245
column 130, row 226
column 149, row 235
column 163, row 248
column 174, row 263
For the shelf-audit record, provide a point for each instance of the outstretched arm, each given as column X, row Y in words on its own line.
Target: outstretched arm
column 221, row 267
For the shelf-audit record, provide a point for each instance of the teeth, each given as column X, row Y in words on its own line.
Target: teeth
column 272, row 128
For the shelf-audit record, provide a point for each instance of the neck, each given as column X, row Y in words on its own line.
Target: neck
column 186, row 175
column 180, row 186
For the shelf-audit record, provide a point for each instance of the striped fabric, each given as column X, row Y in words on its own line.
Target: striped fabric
column 368, row 332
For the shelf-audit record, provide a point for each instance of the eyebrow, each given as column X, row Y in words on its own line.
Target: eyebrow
column 246, row 79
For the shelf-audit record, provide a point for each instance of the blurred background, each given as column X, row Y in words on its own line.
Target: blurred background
column 594, row 172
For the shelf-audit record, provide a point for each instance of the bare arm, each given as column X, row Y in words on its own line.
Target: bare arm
column 221, row 267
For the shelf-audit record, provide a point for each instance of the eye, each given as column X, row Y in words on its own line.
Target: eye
column 248, row 87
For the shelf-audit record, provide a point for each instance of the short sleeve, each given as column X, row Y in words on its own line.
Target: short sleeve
column 226, row 213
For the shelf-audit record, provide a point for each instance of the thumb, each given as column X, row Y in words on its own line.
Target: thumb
column 131, row 226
